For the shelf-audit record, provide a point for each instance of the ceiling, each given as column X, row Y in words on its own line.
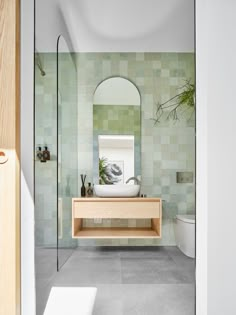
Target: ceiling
column 116, row 25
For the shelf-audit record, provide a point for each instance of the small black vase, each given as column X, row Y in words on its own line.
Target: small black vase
column 83, row 191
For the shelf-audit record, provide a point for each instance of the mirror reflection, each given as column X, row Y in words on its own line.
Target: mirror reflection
column 116, row 158
column 116, row 131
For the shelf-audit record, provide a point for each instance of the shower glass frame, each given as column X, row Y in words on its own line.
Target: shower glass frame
column 66, row 178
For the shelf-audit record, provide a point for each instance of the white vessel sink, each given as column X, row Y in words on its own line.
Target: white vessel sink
column 117, row 190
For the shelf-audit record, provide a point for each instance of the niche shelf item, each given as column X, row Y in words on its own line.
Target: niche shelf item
column 116, row 208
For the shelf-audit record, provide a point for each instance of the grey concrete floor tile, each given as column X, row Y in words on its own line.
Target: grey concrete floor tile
column 130, row 280
column 45, row 270
column 45, row 255
column 108, row 307
column 63, row 255
column 96, row 252
column 42, row 293
column 40, row 308
column 43, row 283
column 175, row 276
column 143, row 252
column 152, row 270
column 49, row 255
column 158, row 299
column 173, row 250
column 90, row 271
column 183, row 261
column 44, row 250
column 188, row 271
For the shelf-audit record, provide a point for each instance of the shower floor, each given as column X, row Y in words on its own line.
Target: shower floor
column 130, row 280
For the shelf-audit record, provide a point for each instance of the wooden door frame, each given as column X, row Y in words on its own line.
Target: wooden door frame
column 10, row 147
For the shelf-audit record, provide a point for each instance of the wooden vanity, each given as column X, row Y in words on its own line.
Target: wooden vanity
column 116, row 208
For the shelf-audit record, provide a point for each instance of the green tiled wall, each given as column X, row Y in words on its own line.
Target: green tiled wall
column 166, row 148
column 46, row 134
column 67, row 151
column 124, row 119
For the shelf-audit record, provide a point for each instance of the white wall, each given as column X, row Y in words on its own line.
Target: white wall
column 216, row 147
column 49, row 24
column 117, row 91
column 111, row 25
column 27, row 159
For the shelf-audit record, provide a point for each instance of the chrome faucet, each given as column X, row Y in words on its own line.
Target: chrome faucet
column 135, row 179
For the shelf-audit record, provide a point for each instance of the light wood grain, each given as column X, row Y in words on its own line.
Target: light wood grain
column 76, row 226
column 156, row 225
column 97, row 199
column 114, row 209
column 116, row 233
column 10, row 171
column 120, row 208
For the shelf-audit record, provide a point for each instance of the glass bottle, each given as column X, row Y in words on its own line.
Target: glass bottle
column 46, row 154
column 89, row 192
column 39, row 154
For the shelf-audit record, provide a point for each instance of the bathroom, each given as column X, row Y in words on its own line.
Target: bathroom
column 71, row 63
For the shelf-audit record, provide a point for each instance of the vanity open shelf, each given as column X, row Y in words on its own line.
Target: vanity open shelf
column 116, row 208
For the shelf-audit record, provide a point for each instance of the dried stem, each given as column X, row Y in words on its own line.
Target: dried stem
column 186, row 97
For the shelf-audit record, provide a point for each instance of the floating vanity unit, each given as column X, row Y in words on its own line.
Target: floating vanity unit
column 116, row 208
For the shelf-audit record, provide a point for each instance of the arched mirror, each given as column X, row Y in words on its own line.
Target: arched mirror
column 116, row 131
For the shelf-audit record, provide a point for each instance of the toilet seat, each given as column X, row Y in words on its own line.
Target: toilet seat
column 188, row 218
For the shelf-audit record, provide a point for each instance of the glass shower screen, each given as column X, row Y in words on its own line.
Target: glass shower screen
column 67, row 177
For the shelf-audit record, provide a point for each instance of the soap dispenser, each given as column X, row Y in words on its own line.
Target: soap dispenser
column 39, row 154
column 46, row 154
column 89, row 190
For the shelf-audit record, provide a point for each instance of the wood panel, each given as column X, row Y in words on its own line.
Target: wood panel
column 9, row 145
column 122, row 208
column 156, row 225
column 116, row 233
column 114, row 209
column 99, row 199
column 76, row 226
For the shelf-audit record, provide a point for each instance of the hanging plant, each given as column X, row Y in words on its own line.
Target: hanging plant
column 185, row 98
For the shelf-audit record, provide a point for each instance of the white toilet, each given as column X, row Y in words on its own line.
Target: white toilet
column 185, row 234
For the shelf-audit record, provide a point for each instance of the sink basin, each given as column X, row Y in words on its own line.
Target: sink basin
column 117, row 190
